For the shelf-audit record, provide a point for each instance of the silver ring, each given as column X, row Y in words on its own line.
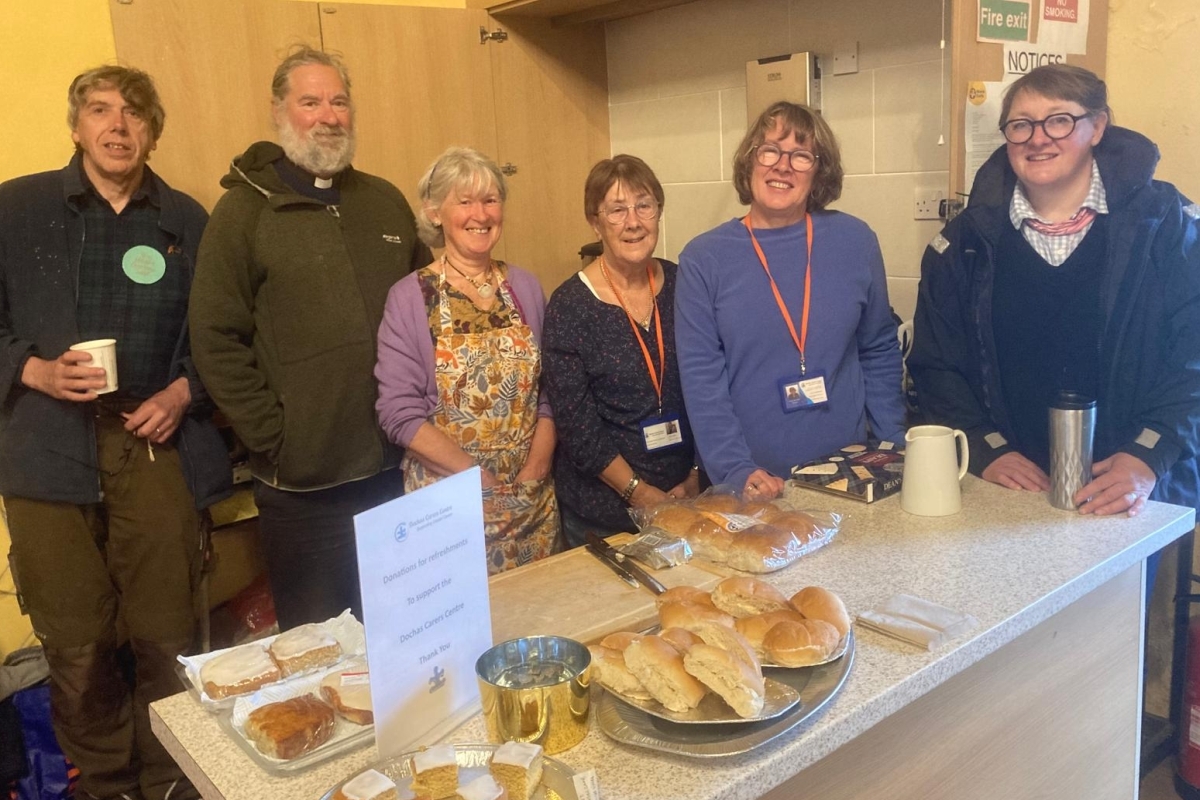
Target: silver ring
column 158, row 430
column 1132, row 497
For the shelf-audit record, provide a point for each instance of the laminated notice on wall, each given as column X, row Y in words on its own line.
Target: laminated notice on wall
column 982, row 131
column 1064, row 26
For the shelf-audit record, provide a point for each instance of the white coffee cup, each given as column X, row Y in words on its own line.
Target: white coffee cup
column 932, row 470
column 104, row 354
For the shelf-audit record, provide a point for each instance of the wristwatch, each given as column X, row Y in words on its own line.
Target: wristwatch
column 631, row 487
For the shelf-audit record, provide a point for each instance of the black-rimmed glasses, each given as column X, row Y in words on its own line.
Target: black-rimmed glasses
column 801, row 160
column 1055, row 126
column 645, row 209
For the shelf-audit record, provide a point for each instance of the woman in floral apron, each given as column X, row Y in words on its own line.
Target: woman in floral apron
column 460, row 364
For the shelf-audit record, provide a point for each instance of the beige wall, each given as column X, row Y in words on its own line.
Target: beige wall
column 677, row 86
column 1153, row 61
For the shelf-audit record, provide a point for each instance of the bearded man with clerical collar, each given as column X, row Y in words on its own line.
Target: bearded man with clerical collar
column 293, row 274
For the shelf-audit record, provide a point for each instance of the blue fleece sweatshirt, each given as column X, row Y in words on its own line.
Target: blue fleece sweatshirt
column 734, row 345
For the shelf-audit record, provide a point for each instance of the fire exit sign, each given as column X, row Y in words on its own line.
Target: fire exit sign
column 1003, row 20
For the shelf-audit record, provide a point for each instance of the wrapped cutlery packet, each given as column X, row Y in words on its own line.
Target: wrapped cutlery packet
column 917, row 621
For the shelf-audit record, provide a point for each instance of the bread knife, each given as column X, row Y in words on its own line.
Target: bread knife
column 613, row 565
column 606, row 553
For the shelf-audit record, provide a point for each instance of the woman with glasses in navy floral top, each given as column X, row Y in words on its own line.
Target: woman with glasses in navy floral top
column 624, row 439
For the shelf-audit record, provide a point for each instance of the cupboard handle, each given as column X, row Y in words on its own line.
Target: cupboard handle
column 509, row 169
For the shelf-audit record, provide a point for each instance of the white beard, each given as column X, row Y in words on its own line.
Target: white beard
column 324, row 150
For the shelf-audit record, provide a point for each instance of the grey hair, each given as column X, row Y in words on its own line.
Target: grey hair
column 460, row 169
column 299, row 56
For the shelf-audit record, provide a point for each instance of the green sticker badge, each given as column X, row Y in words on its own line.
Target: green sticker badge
column 144, row 264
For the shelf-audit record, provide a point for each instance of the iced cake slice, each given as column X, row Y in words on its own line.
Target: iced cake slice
column 518, row 768
column 435, row 772
column 303, row 648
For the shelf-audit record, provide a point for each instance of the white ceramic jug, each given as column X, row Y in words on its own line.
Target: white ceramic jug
column 932, row 471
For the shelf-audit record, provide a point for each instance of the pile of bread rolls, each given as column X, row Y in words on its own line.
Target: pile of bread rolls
column 718, row 642
column 752, row 536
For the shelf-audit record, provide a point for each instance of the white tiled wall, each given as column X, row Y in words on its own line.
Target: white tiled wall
column 677, row 98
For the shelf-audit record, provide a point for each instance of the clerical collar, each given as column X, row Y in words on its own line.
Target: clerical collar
column 323, row 190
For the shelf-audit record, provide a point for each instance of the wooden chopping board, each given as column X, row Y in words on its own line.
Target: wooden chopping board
column 572, row 594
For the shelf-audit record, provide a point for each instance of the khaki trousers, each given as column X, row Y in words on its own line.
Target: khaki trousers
column 89, row 575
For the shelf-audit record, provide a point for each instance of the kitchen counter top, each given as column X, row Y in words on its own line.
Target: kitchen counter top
column 1009, row 559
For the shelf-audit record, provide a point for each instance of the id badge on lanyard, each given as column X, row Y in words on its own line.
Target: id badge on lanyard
column 799, row 392
column 807, row 389
column 661, row 432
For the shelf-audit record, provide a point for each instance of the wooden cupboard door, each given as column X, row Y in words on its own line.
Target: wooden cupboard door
column 212, row 61
column 422, row 83
column 552, row 124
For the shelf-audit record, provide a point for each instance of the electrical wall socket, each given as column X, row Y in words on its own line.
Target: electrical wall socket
column 927, row 202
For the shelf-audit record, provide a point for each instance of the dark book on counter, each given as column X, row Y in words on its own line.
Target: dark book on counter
column 866, row 472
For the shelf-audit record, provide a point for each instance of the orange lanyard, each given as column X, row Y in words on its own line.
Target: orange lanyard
column 802, row 339
column 655, row 378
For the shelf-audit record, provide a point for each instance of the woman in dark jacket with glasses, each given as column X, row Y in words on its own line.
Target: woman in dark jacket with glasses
column 1071, row 269
column 787, row 347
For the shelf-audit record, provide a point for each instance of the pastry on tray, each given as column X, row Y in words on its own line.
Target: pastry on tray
column 290, row 728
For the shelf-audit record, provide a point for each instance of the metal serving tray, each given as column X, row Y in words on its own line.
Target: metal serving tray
column 816, row 685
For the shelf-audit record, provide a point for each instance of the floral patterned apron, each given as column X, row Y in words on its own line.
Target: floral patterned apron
column 487, row 386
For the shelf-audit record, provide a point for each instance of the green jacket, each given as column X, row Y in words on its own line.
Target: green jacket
column 284, row 313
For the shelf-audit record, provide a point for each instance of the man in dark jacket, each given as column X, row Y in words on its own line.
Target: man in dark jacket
column 102, row 490
column 294, row 272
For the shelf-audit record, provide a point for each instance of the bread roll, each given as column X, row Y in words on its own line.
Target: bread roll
column 290, row 728
column 659, row 667
column 729, row 639
column 608, row 665
column 815, row 602
column 348, row 690
column 681, row 639
column 801, row 525
column 756, row 627
column 759, row 508
column 762, row 548
column 689, row 615
column 799, row 644
column 745, row 597
column 709, row 540
column 681, row 594
column 719, row 503
column 738, row 685
column 674, row 518
column 620, row 640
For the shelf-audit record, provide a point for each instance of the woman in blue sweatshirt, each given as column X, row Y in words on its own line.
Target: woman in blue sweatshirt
column 787, row 347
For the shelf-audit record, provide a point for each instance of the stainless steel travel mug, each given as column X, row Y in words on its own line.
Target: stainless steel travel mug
column 1072, row 425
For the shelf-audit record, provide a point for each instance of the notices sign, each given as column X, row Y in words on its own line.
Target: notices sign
column 1003, row 21
column 423, row 571
column 1020, row 59
column 1064, row 25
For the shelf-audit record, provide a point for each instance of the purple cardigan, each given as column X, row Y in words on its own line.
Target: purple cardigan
column 404, row 369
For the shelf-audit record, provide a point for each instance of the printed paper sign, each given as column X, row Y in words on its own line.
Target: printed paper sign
column 982, row 131
column 1064, row 25
column 1020, row 59
column 423, row 570
column 1003, row 21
